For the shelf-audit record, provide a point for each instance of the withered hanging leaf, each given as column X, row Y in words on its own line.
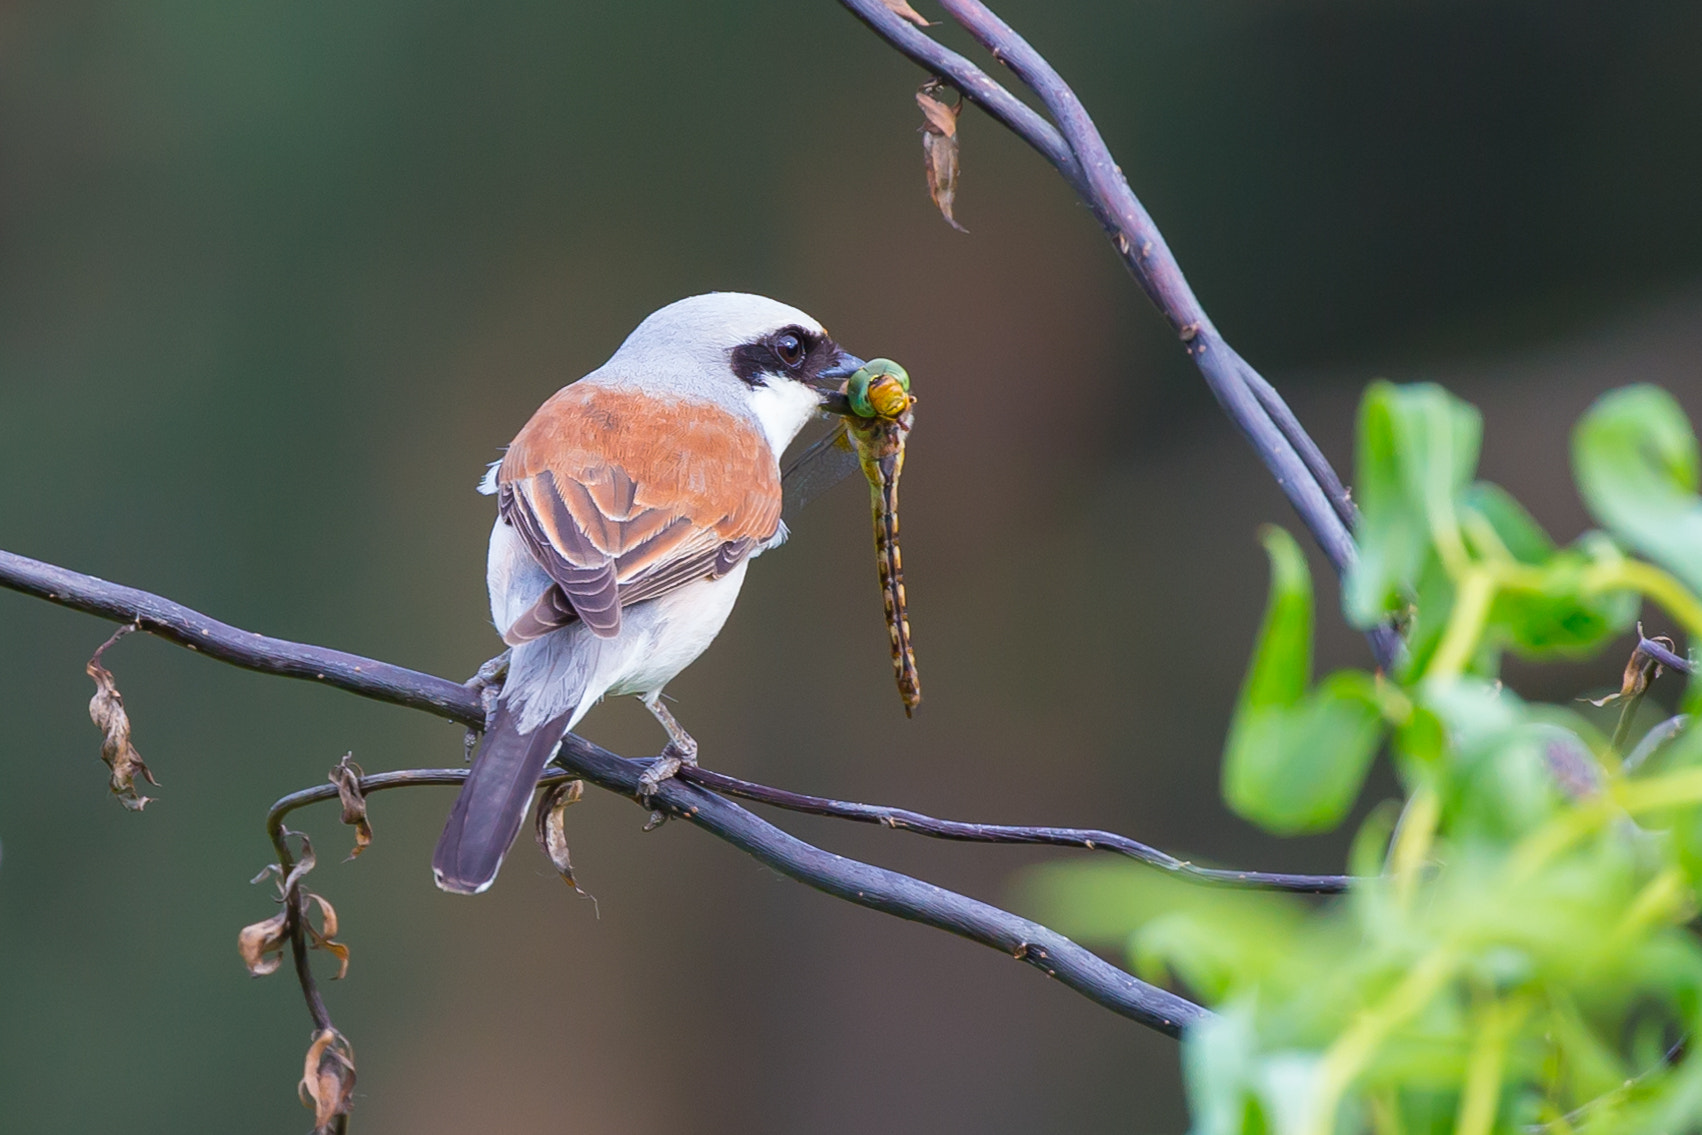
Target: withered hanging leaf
column 325, row 937
column 904, row 10
column 551, row 829
column 942, row 117
column 1639, row 669
column 106, row 710
column 939, row 150
column 328, row 1078
column 260, row 941
column 551, row 825
column 305, row 861
column 261, row 944
column 346, row 776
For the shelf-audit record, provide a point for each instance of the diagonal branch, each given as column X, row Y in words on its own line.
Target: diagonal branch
column 1072, row 143
column 176, row 623
column 855, row 882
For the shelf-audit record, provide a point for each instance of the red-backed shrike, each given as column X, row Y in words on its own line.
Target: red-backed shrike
column 628, row 510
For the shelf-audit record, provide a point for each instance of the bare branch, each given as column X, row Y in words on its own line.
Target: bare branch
column 1092, row 839
column 855, row 882
column 1661, row 651
column 1652, row 741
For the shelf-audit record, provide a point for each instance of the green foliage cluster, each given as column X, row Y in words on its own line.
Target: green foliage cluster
column 1518, row 953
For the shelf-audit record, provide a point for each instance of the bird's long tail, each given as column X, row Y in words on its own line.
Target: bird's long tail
column 493, row 801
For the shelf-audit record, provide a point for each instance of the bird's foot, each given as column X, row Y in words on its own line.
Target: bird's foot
column 487, row 683
column 674, row 756
column 492, row 673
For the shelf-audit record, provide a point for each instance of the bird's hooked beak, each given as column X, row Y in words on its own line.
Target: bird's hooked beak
column 830, row 383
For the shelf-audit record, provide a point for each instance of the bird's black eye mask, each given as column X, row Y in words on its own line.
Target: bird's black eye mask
column 792, row 352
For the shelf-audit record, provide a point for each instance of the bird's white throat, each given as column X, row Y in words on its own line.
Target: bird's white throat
column 783, row 408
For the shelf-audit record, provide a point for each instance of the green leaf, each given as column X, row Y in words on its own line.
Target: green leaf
column 1300, row 770
column 1506, row 519
column 1282, row 660
column 1563, row 618
column 1418, row 447
column 1295, row 761
column 1636, row 460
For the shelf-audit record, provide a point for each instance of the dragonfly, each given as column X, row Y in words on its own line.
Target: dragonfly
column 870, row 439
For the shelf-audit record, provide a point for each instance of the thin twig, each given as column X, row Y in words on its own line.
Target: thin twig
column 1652, row 741
column 1091, row 839
column 1313, row 457
column 1629, row 703
column 294, row 924
column 900, row 819
column 1675, row 1052
column 1664, row 655
column 859, row 883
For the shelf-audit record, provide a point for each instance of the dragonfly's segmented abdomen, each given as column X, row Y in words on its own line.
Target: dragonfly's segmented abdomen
column 884, row 497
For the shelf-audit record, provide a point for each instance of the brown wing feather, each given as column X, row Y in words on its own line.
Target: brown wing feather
column 623, row 497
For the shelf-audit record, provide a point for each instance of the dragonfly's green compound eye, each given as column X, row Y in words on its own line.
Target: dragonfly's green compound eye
column 879, row 388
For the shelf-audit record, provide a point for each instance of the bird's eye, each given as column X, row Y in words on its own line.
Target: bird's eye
column 790, row 348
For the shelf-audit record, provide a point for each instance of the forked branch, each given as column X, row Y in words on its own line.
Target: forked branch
column 1072, row 143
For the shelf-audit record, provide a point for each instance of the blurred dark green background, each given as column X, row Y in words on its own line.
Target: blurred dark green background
column 276, row 280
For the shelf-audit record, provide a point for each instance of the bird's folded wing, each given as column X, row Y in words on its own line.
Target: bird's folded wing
column 622, row 501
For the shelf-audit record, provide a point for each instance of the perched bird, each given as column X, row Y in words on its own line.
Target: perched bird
column 628, row 509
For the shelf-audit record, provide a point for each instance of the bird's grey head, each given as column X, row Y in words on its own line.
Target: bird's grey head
column 745, row 352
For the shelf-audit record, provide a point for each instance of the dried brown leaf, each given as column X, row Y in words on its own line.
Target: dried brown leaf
column 328, row 1078
column 325, row 936
column 1639, row 670
column 551, row 829
column 904, row 10
column 305, row 861
column 551, row 825
column 106, row 710
column 258, row 942
column 261, row 944
column 940, row 152
column 941, row 117
column 346, row 776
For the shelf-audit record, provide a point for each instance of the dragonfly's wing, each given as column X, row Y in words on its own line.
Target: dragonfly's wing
column 820, row 467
